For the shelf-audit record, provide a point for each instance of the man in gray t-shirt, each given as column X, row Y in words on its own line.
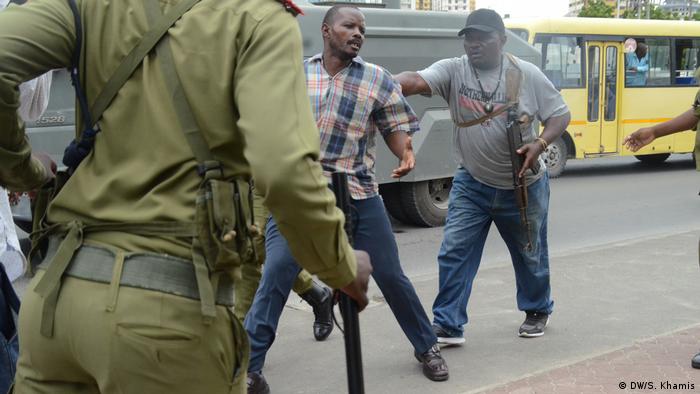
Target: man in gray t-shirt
column 474, row 85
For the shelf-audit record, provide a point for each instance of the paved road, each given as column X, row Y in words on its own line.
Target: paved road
column 595, row 202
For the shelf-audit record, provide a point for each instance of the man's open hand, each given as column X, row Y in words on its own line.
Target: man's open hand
column 639, row 139
column 408, row 161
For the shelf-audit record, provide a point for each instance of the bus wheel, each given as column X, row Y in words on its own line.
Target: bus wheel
column 657, row 158
column 391, row 194
column 425, row 203
column 555, row 157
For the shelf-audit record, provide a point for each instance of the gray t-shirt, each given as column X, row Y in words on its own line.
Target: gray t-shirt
column 483, row 149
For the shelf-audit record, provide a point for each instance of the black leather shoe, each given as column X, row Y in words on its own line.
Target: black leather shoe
column 257, row 383
column 696, row 361
column 321, row 300
column 434, row 366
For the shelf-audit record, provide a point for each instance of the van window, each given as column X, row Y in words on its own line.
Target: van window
column 562, row 59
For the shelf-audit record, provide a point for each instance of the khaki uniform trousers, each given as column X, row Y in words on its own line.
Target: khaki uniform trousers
column 150, row 343
column 251, row 271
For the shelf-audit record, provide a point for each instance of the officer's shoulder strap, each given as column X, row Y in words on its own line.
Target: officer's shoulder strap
column 207, row 164
column 79, row 148
column 513, row 79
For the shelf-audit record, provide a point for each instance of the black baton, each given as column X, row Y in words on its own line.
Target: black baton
column 348, row 307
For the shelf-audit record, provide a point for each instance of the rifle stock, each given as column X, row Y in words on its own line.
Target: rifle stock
column 348, row 307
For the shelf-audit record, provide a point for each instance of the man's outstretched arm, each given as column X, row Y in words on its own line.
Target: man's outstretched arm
column 412, row 83
column 644, row 136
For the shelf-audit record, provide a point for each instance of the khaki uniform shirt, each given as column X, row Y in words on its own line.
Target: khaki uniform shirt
column 240, row 66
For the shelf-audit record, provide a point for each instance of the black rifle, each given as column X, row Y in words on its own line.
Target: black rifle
column 348, row 307
column 515, row 141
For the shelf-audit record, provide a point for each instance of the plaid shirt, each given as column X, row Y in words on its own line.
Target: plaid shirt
column 350, row 108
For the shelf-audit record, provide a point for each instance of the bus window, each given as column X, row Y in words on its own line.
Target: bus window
column 636, row 63
column 561, row 59
column 659, row 62
column 593, row 83
column 610, row 82
column 653, row 58
column 687, row 52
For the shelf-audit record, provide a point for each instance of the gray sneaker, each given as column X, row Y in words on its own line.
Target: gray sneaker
column 445, row 338
column 534, row 324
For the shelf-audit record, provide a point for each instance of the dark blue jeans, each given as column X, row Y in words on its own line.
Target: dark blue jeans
column 473, row 206
column 372, row 234
column 9, row 347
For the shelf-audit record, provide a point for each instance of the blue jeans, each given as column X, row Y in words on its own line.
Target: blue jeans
column 472, row 207
column 9, row 347
column 372, row 234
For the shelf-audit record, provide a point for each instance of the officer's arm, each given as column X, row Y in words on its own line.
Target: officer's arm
column 282, row 147
column 34, row 39
column 685, row 121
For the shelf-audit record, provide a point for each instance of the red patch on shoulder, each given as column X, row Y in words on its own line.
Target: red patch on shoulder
column 291, row 7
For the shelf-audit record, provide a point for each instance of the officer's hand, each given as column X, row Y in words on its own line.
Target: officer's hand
column 639, row 139
column 531, row 153
column 357, row 289
column 408, row 161
column 48, row 163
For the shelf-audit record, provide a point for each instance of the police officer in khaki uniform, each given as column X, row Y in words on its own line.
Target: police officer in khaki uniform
column 126, row 300
column 688, row 120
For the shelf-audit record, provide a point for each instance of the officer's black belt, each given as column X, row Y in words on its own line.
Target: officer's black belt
column 163, row 273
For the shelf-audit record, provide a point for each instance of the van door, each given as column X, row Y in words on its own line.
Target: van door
column 602, row 89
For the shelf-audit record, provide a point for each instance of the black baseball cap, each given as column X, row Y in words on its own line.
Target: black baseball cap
column 483, row 19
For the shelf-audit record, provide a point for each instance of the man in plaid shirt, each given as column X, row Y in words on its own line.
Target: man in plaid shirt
column 352, row 100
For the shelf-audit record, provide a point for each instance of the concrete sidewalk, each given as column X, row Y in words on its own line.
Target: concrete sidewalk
column 660, row 364
column 624, row 312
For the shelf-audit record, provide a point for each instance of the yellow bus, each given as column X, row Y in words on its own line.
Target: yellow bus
column 591, row 61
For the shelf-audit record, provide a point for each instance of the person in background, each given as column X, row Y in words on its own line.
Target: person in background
column 637, row 66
